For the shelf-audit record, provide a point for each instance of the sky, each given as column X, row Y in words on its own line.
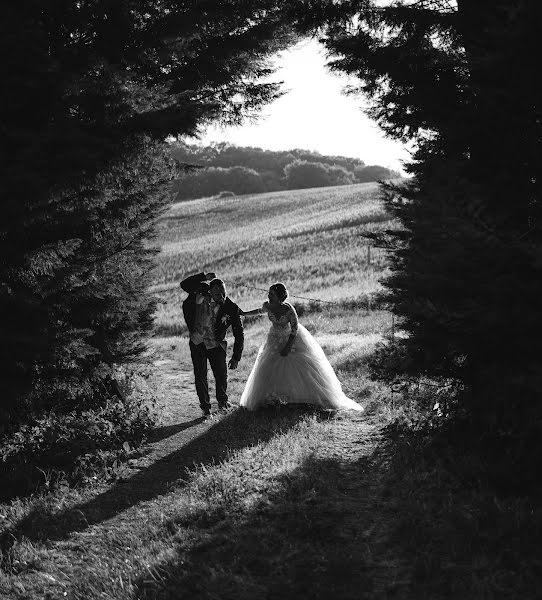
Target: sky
column 314, row 114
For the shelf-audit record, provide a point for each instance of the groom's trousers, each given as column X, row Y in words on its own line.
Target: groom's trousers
column 217, row 359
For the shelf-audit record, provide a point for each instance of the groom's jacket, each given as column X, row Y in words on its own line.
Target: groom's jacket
column 228, row 314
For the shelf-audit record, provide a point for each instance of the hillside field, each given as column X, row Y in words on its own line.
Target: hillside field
column 308, row 239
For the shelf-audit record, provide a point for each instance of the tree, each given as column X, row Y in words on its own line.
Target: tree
column 460, row 79
column 340, row 176
column 268, row 164
column 91, row 90
column 301, row 174
column 213, row 180
column 263, row 161
column 373, row 173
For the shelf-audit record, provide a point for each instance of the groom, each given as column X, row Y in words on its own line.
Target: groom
column 208, row 313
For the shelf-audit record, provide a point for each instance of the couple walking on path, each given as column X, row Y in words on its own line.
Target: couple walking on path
column 290, row 367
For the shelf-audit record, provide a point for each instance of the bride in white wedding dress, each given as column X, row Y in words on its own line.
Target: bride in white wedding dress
column 291, row 367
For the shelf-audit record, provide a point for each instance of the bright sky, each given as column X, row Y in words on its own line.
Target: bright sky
column 314, row 115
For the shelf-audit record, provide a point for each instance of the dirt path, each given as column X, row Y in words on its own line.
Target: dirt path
column 180, row 415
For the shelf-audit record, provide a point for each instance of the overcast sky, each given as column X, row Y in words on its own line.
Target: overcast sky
column 314, row 115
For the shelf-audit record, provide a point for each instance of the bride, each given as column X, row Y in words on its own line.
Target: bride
column 291, row 366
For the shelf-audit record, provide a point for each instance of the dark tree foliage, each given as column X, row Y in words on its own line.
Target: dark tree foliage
column 461, row 80
column 90, row 91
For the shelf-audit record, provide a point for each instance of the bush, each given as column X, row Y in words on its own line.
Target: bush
column 69, row 447
column 373, row 173
column 301, row 174
column 209, row 182
column 340, row 176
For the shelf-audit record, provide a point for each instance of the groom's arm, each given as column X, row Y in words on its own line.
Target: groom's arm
column 191, row 284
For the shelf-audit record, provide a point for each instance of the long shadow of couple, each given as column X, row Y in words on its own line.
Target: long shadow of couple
column 234, row 431
column 303, row 540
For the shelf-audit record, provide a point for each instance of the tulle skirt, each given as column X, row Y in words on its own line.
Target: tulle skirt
column 304, row 376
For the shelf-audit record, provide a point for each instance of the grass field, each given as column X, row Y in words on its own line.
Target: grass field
column 308, row 239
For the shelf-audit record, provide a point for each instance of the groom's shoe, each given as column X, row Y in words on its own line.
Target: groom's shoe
column 206, row 412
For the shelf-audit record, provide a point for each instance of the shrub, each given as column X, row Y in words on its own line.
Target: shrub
column 373, row 173
column 69, row 447
column 301, row 174
column 209, row 182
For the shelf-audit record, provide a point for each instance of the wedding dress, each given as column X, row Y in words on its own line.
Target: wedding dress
column 303, row 376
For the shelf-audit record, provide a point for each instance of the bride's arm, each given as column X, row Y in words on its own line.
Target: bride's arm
column 294, row 324
column 250, row 313
column 255, row 311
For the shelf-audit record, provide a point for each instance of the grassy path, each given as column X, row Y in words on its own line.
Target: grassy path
column 275, row 504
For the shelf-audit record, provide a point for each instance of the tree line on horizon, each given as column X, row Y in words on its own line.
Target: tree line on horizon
column 224, row 167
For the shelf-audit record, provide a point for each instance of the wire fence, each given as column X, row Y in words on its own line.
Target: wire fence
column 175, row 286
column 251, row 287
column 330, row 304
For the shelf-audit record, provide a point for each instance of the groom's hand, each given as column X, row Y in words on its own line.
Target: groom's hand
column 210, row 276
column 233, row 363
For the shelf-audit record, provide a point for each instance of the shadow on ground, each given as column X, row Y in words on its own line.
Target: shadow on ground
column 165, row 431
column 233, row 431
column 316, row 536
column 392, row 524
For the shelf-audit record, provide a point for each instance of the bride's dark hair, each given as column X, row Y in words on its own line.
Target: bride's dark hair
column 280, row 290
